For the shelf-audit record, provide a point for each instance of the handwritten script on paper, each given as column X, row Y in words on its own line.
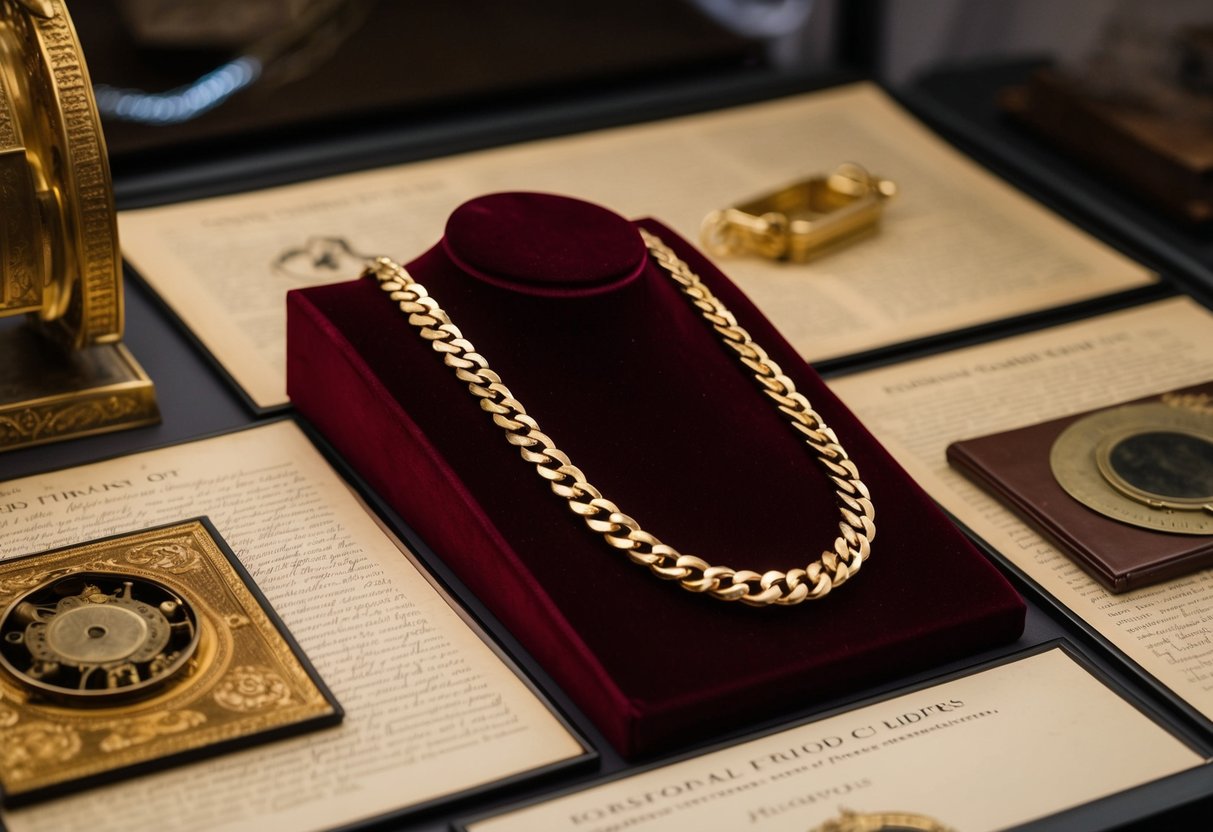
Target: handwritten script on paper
column 1043, row 717
column 430, row 708
column 916, row 409
column 957, row 246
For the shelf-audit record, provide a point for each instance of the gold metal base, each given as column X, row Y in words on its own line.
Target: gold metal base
column 48, row 393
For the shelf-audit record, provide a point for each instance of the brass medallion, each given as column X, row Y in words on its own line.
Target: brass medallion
column 137, row 650
column 1149, row 465
column 60, row 265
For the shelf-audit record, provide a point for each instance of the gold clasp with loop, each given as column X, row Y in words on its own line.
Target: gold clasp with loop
column 803, row 220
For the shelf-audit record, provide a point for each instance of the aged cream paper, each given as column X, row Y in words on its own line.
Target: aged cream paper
column 431, row 709
column 987, row 751
column 916, row 409
column 958, row 246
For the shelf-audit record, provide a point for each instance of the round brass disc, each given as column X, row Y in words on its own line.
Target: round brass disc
column 1148, row 465
column 47, row 109
column 103, row 634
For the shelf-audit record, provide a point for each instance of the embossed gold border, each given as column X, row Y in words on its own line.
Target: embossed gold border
column 247, row 684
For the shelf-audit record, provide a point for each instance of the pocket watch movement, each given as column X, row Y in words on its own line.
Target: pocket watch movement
column 98, row 638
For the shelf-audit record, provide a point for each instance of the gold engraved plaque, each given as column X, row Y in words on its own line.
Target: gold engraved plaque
column 1148, row 465
column 130, row 652
column 60, row 266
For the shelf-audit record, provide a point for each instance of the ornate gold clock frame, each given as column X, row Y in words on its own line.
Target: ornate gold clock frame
column 64, row 371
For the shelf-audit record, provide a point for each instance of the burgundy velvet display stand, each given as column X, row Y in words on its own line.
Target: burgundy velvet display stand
column 617, row 367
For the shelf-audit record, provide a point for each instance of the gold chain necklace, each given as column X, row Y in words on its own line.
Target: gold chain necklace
column 832, row 568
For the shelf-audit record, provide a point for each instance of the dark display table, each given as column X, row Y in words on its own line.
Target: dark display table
column 196, row 399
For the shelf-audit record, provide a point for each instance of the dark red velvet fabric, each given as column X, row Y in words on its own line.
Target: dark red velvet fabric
column 642, row 396
column 581, row 249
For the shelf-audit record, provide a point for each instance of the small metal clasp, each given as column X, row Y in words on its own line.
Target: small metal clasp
column 803, row 220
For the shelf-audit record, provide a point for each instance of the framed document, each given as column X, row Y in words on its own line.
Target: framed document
column 958, row 247
column 917, row 408
column 999, row 747
column 433, row 710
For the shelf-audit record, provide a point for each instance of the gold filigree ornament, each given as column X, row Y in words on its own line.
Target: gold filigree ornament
column 175, row 556
column 149, row 728
column 249, row 688
column 8, row 716
column 28, row 749
column 834, row 566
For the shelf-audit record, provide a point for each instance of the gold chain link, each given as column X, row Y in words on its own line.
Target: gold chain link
column 832, row 568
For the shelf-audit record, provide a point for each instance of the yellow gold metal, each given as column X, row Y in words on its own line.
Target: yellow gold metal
column 833, row 567
column 802, row 221
column 851, row 821
column 1198, row 402
column 134, row 649
column 59, row 259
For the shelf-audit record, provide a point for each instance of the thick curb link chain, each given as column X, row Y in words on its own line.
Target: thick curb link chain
column 834, row 567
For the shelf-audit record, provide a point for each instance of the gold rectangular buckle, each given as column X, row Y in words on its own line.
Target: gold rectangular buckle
column 803, row 220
